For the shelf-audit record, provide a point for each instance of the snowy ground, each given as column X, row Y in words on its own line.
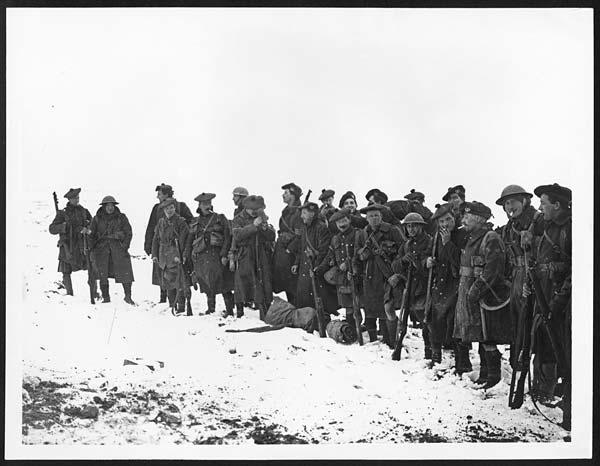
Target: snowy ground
column 284, row 386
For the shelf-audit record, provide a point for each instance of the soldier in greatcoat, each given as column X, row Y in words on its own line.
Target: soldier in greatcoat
column 207, row 248
column 313, row 246
column 449, row 239
column 348, row 201
column 284, row 257
column 376, row 196
column 376, row 246
column 71, row 223
column 239, row 194
column 412, row 255
column 482, row 311
column 170, row 237
column 163, row 192
column 254, row 238
column 110, row 237
column 552, row 246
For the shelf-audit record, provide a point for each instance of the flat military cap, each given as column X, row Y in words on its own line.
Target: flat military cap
column 73, row 192
column 370, row 207
column 340, row 214
column 312, row 206
column 512, row 190
column 413, row 217
column 167, row 202
column 165, row 189
column 458, row 189
column 326, row 194
column 205, row 197
column 108, row 200
column 347, row 195
column 413, row 195
column 441, row 210
column 555, row 190
column 294, row 189
column 254, row 202
column 477, row 208
column 240, row 191
column 380, row 196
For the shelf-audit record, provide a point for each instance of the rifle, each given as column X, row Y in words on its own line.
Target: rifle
column 355, row 304
column 429, row 281
column 55, row 198
column 307, row 196
column 180, row 280
column 318, row 300
column 522, row 354
column 404, row 312
column 89, row 266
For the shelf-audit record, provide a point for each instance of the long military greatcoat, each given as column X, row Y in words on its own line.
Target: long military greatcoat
column 157, row 213
column 109, row 242
column 164, row 247
column 253, row 274
column 481, row 268
column 374, row 271
column 68, row 223
column 207, row 243
column 290, row 227
column 316, row 237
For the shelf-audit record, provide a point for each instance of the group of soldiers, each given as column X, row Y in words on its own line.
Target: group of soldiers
column 459, row 279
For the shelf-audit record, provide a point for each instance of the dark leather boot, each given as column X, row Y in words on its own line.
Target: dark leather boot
column 371, row 325
column 228, row 298
column 436, row 355
column 239, row 310
column 483, row 367
column 494, row 374
column 68, row 283
column 181, row 303
column 262, row 311
column 427, row 342
column 104, row 290
column 188, row 307
column 172, row 295
column 384, row 332
column 211, row 302
column 163, row 296
column 463, row 360
column 392, row 326
column 127, row 290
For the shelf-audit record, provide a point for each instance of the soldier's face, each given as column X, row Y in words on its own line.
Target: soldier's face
column 513, row 207
column 456, row 200
column 549, row 209
column 472, row 222
column 350, row 204
column 374, row 218
column 413, row 229
column 328, row 201
column 170, row 210
column 252, row 212
column 343, row 224
column 110, row 208
column 74, row 201
column 447, row 222
column 307, row 215
column 160, row 196
column 237, row 199
column 205, row 206
column 287, row 196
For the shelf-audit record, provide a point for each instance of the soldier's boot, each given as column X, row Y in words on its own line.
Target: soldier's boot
column 180, row 303
column 68, row 283
column 370, row 324
column 463, row 361
column 163, row 296
column 427, row 342
column 239, row 310
column 545, row 382
column 566, row 407
column 127, row 290
column 483, row 367
column 228, row 299
column 384, row 332
column 392, row 326
column 171, row 297
column 188, row 307
column 211, row 302
column 262, row 311
column 104, row 290
column 436, row 354
column 494, row 374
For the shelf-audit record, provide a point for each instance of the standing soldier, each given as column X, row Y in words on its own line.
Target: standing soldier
column 340, row 255
column 163, row 192
column 348, row 201
column 417, row 202
column 207, row 247
column 516, row 202
column 71, row 223
column 284, row 257
column 456, row 196
column 482, row 313
column 254, row 238
column 413, row 254
column 446, row 266
column 327, row 208
column 110, row 238
column 170, row 237
column 313, row 246
column 553, row 240
column 239, row 194
column 376, row 246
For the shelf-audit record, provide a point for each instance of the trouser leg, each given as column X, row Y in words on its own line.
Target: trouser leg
column 228, row 299
column 172, row 295
column 426, row 341
column 68, row 283
column 127, row 290
column 371, row 325
column 163, row 296
column 494, row 365
column 105, row 291
column 211, row 302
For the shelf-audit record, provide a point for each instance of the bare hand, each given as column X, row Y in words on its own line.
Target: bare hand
column 526, row 290
column 232, row 266
column 526, row 238
column 155, row 259
column 393, row 280
column 176, row 260
column 224, row 261
column 294, row 269
column 343, row 266
column 445, row 235
column 257, row 221
column 430, row 262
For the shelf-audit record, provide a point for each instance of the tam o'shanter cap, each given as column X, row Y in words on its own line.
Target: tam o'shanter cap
column 165, row 188
column 205, row 197
column 347, row 195
column 414, row 195
column 73, row 192
column 254, row 202
column 380, row 196
column 294, row 189
column 370, row 207
column 477, row 208
column 512, row 190
column 458, row 189
column 555, row 190
column 312, row 206
column 108, row 200
column 441, row 210
column 168, row 202
column 326, row 194
column 340, row 214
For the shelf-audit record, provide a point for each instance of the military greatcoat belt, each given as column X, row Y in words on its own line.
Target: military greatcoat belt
column 466, row 271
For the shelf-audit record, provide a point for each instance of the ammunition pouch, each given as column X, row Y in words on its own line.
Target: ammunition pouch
column 216, row 239
column 198, row 245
